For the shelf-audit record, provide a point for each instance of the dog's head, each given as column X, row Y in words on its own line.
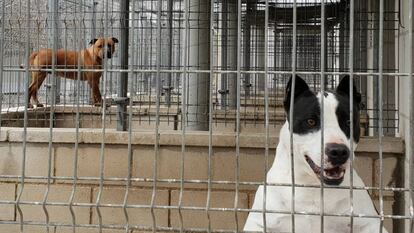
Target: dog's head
column 307, row 129
column 102, row 46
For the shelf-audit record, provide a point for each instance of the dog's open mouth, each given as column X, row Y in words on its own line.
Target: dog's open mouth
column 331, row 175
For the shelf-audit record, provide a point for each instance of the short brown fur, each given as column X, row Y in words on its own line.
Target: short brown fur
column 90, row 58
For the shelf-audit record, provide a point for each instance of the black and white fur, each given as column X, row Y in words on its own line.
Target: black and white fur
column 307, row 166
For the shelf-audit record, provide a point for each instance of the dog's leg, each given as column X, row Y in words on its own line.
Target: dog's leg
column 37, row 80
column 96, row 94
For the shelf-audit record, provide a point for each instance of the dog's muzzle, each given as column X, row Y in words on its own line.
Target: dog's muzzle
column 108, row 55
column 334, row 166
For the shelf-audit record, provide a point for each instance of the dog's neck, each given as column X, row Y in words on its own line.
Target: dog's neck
column 97, row 59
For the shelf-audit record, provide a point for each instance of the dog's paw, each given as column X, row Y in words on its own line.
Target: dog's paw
column 100, row 104
column 39, row 105
column 29, row 105
column 97, row 104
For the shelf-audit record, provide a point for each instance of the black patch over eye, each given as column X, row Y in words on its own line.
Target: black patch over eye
column 343, row 114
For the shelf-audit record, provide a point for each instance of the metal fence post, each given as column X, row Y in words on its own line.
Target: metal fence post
column 199, row 83
column 93, row 20
column 232, row 53
column 168, row 87
column 224, row 91
column 122, row 100
column 247, row 34
column 53, row 39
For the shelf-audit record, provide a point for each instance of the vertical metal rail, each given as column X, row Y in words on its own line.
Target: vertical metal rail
column 157, row 117
column 3, row 19
column 102, row 150
column 130, row 115
column 247, row 35
column 53, row 8
column 168, row 88
column 266, row 99
column 93, row 23
column 76, row 149
column 25, row 123
column 411, row 120
column 380, row 113
column 292, row 99
column 53, row 99
column 224, row 91
column 122, row 100
column 210, row 117
column 351, row 111
column 184, row 112
column 322, row 74
column 238, row 99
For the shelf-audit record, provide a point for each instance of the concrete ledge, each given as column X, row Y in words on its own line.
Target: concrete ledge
column 391, row 145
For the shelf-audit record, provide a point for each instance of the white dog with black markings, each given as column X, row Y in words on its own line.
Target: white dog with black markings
column 307, row 167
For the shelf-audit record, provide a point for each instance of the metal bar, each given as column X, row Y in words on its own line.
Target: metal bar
column 157, row 117
column 195, row 71
column 130, row 117
column 411, row 119
column 53, row 39
column 292, row 99
column 266, row 97
column 2, row 44
column 25, row 125
column 174, row 181
column 120, row 227
column 122, row 100
column 103, row 122
column 351, row 110
column 184, row 110
column 76, row 147
column 322, row 96
column 246, row 49
column 380, row 113
column 168, row 87
column 224, row 91
column 55, row 97
column 93, row 20
column 238, row 99
column 212, row 209
column 210, row 110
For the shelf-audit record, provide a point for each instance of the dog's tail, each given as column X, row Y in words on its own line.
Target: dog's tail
column 31, row 59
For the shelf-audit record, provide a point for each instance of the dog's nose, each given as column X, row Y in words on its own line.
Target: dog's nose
column 337, row 153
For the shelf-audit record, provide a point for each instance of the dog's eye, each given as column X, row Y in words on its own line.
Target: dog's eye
column 348, row 122
column 311, row 123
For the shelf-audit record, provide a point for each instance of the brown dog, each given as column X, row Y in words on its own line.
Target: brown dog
column 90, row 58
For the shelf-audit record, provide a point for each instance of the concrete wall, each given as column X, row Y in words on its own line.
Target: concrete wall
column 223, row 168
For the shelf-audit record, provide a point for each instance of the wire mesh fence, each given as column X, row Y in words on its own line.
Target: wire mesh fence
column 193, row 103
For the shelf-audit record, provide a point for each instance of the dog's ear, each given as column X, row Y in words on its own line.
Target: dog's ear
column 300, row 87
column 93, row 41
column 343, row 89
column 115, row 40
